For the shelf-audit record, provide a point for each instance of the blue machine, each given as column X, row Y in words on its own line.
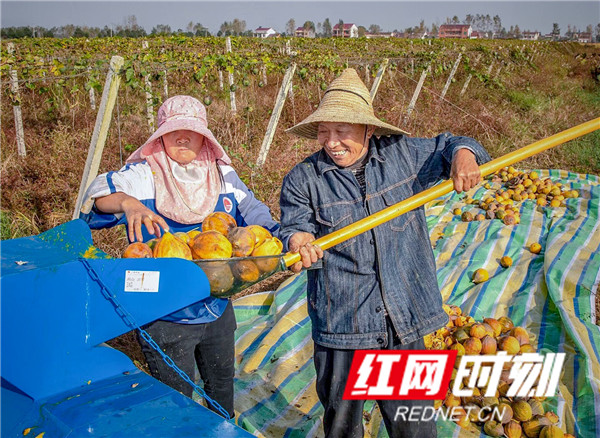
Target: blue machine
column 57, row 375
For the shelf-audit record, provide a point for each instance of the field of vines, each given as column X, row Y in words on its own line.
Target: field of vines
column 507, row 94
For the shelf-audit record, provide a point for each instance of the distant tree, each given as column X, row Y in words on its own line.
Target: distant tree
column 497, row 24
column 488, row 23
column 455, row 20
column 239, row 26
column 422, row 27
column 374, row 28
column 511, row 32
column 290, row 27
column 225, row 28
column 131, row 28
column 15, row 32
column 598, row 33
column 327, row 28
column 235, row 27
column 518, row 32
column 161, row 29
column 555, row 31
column 79, row 33
column 309, row 25
column 362, row 31
column 469, row 19
column 105, row 32
column 434, row 29
column 200, row 30
column 319, row 29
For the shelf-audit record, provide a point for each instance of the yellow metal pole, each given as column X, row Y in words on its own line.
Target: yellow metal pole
column 425, row 196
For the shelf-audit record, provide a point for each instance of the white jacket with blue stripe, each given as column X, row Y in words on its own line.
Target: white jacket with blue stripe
column 136, row 180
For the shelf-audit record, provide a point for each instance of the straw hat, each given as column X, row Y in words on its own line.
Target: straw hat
column 346, row 100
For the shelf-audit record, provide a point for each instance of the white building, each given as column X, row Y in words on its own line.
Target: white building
column 530, row 36
column 264, row 32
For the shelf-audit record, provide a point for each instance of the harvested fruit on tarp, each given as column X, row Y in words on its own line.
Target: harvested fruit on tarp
column 508, row 189
column 519, row 416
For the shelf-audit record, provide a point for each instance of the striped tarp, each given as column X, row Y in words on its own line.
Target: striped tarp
column 551, row 294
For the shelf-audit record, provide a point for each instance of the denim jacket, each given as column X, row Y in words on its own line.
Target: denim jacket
column 387, row 270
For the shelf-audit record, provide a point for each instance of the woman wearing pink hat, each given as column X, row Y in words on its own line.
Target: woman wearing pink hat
column 179, row 176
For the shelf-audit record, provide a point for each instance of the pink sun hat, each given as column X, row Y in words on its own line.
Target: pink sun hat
column 176, row 113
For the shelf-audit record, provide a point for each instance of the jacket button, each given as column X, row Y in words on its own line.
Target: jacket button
column 372, row 242
column 380, row 340
column 378, row 309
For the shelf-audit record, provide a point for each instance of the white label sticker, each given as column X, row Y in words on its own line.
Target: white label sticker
column 141, row 281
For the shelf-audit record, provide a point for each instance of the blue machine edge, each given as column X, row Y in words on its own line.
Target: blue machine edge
column 58, row 376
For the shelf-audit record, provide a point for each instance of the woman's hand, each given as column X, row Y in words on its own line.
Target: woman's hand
column 136, row 214
column 302, row 242
column 465, row 171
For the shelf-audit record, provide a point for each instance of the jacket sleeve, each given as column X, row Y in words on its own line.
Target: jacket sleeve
column 297, row 213
column 253, row 211
column 133, row 179
column 433, row 156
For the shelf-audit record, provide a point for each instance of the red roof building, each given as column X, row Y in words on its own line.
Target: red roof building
column 455, row 31
column 349, row 31
column 304, row 33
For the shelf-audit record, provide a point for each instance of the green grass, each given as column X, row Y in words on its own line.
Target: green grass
column 584, row 153
column 15, row 224
column 591, row 98
column 527, row 101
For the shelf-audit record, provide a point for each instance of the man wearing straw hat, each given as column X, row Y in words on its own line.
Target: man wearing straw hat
column 379, row 289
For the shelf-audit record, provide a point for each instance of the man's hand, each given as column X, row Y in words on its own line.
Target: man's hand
column 465, row 171
column 302, row 242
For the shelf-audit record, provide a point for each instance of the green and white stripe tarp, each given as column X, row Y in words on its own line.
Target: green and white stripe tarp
column 551, row 294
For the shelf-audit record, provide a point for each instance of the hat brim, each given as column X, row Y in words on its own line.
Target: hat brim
column 309, row 127
column 190, row 124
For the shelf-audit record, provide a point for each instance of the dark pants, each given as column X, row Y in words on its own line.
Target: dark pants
column 344, row 418
column 209, row 346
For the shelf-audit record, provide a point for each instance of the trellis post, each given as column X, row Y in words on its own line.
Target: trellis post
column 263, row 72
column 231, row 93
column 221, row 80
column 149, row 100
column 109, row 97
column 283, row 91
column 378, row 78
column 165, row 85
column 413, row 101
column 92, row 93
column 464, row 88
column 497, row 75
column 16, row 101
column 452, row 73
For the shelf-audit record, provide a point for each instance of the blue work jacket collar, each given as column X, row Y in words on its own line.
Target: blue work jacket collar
column 325, row 163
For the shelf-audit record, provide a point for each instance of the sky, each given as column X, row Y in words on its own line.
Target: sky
column 389, row 15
